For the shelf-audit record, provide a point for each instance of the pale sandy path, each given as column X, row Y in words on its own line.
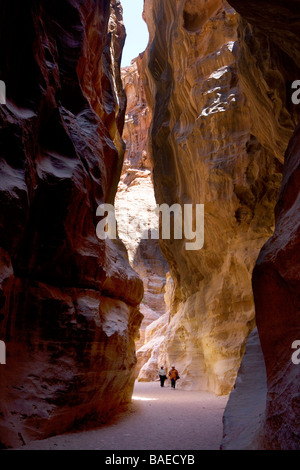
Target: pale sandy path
column 158, row 419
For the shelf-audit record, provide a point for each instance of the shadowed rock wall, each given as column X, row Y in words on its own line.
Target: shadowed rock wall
column 276, row 286
column 69, row 301
column 269, row 62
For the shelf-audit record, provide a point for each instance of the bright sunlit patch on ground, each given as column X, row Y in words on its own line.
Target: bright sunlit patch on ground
column 143, row 398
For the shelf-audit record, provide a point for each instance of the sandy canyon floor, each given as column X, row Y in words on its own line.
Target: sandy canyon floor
column 157, row 419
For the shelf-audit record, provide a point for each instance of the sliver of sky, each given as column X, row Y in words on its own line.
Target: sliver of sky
column 136, row 30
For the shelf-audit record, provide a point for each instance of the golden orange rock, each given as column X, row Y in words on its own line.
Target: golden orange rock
column 204, row 152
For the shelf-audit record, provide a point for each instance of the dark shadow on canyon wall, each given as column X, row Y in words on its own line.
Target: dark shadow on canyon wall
column 69, row 301
column 268, row 63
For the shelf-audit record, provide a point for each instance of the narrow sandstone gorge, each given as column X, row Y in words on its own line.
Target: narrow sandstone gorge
column 135, row 207
column 69, row 301
column 203, row 116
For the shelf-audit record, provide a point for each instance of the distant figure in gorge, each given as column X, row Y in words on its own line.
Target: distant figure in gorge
column 162, row 376
column 173, row 374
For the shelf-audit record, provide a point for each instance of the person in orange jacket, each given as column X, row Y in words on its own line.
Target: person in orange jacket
column 173, row 374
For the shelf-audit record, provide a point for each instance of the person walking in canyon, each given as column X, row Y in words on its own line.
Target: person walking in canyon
column 162, row 375
column 174, row 376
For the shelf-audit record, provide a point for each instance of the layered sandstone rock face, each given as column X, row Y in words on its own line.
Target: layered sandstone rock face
column 135, row 202
column 204, row 152
column 69, row 301
column 269, row 62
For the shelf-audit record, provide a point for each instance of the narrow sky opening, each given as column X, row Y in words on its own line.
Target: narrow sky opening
column 136, row 30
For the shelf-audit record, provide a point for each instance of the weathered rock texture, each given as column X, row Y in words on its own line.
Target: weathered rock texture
column 276, row 286
column 69, row 301
column 204, row 152
column 263, row 408
column 135, row 202
column 149, row 358
column 268, row 63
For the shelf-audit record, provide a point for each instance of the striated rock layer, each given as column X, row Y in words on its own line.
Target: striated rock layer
column 68, row 301
column 135, row 202
column 268, row 63
column 204, row 152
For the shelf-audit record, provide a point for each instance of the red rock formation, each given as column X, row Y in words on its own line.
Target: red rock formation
column 276, row 286
column 68, row 301
column 263, row 408
column 268, row 63
column 137, row 122
column 277, row 19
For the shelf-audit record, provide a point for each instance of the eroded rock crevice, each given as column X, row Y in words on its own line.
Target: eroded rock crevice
column 136, row 214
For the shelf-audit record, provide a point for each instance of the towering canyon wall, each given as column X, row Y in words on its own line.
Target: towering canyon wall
column 276, row 286
column 268, row 63
column 69, row 312
column 204, row 152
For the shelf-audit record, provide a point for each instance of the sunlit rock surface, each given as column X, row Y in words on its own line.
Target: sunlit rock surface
column 69, row 302
column 151, row 354
column 204, row 152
